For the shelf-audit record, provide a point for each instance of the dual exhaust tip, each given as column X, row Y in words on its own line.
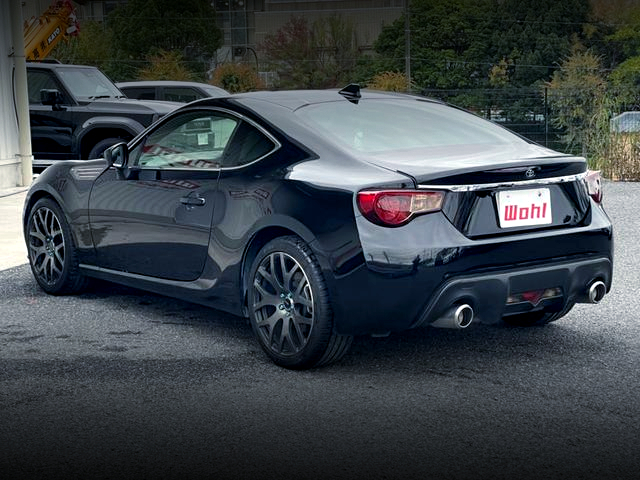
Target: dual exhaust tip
column 461, row 316
column 596, row 292
column 458, row 316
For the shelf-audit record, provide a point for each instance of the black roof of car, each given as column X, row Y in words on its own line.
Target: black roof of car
column 294, row 99
column 57, row 65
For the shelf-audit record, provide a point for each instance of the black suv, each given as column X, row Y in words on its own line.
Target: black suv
column 77, row 112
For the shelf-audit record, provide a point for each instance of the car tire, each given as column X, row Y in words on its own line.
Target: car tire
column 99, row 148
column 289, row 307
column 51, row 250
column 537, row 318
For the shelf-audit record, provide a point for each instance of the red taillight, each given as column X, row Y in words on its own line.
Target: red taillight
column 593, row 180
column 392, row 208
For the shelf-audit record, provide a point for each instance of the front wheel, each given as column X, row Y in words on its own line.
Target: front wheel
column 52, row 251
column 99, row 148
column 289, row 307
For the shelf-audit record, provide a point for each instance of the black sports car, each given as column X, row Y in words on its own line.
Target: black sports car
column 322, row 215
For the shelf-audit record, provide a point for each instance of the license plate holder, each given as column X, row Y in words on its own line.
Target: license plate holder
column 524, row 208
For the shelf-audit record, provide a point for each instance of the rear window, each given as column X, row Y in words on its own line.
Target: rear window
column 140, row 93
column 382, row 125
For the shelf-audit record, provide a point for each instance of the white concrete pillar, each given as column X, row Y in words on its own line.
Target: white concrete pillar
column 15, row 135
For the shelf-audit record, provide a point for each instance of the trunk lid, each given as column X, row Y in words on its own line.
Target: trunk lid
column 497, row 190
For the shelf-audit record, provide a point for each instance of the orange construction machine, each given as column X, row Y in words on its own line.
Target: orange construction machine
column 43, row 33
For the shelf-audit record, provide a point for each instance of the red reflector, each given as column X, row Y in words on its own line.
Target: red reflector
column 593, row 180
column 392, row 208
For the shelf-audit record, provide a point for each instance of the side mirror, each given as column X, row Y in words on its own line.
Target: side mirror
column 51, row 97
column 117, row 155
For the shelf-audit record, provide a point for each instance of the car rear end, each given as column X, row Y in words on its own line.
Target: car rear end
column 492, row 227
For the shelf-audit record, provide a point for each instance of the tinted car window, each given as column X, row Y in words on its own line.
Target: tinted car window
column 140, row 93
column 181, row 94
column 384, row 125
column 191, row 140
column 38, row 80
column 248, row 145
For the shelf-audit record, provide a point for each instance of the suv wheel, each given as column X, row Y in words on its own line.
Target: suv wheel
column 101, row 146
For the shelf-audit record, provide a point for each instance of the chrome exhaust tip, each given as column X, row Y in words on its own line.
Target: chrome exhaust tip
column 596, row 292
column 459, row 316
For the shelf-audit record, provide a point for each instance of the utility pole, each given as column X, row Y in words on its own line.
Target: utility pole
column 407, row 44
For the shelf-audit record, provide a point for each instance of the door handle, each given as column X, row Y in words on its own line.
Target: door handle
column 197, row 201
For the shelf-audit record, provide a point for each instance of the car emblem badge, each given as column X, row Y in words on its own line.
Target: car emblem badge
column 530, row 173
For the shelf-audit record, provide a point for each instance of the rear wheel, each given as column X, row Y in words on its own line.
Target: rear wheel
column 289, row 307
column 537, row 318
column 52, row 251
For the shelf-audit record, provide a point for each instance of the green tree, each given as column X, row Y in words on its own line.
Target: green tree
column 318, row 55
column 579, row 101
column 92, row 46
column 449, row 42
column 236, row 78
column 166, row 66
column 459, row 43
column 145, row 27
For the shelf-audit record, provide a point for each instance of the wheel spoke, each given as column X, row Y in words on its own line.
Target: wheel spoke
column 37, row 251
column 302, row 320
column 288, row 277
column 268, row 277
column 269, row 321
column 305, row 302
column 274, row 272
column 300, row 338
column 52, row 223
column 57, row 252
column 40, row 266
column 277, row 343
column 36, row 234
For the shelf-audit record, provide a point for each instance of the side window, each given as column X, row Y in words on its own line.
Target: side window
column 140, row 93
column 38, row 80
column 181, row 94
column 191, row 140
column 248, row 145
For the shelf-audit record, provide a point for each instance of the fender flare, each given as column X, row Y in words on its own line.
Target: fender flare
column 133, row 127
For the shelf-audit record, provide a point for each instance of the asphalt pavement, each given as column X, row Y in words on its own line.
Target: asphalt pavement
column 117, row 383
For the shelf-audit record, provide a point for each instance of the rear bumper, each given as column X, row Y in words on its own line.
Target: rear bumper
column 413, row 275
column 487, row 293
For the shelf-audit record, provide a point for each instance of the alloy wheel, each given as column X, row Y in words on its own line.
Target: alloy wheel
column 46, row 245
column 283, row 304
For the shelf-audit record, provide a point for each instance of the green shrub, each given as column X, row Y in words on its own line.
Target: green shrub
column 236, row 78
column 390, row 82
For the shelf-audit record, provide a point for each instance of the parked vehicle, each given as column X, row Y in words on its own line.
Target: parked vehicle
column 77, row 112
column 322, row 215
column 173, row 91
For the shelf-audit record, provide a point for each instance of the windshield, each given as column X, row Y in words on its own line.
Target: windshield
column 88, row 83
column 384, row 125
